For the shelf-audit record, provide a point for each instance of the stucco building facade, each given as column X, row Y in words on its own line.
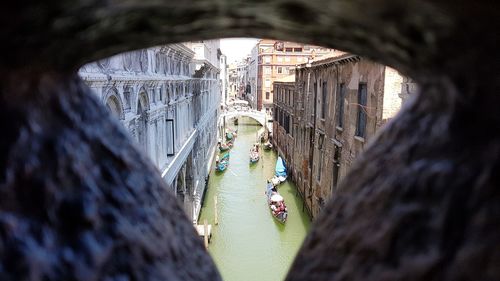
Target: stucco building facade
column 167, row 98
column 233, row 81
column 325, row 119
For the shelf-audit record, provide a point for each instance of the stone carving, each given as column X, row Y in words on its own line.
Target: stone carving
column 103, row 63
column 143, row 59
column 127, row 93
column 128, row 60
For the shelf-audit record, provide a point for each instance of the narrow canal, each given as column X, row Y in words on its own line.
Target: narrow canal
column 248, row 244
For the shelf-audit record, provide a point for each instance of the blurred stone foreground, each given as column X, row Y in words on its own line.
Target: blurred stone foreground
column 79, row 202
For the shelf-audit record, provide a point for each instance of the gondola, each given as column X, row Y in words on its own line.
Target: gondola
column 263, row 138
column 231, row 135
column 225, row 146
column 280, row 172
column 268, row 146
column 276, row 203
column 254, row 154
column 221, row 165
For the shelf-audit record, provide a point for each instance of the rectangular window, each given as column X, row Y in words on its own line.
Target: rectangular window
column 320, row 165
column 267, row 70
column 304, row 92
column 287, row 59
column 267, row 59
column 323, row 100
column 361, row 122
column 171, row 140
column 280, row 59
column 288, row 49
column 310, row 147
column 290, row 128
column 267, row 84
column 267, row 95
column 340, row 105
column 287, row 123
column 336, row 168
column 297, row 50
column 280, row 69
column 314, row 102
column 291, row 70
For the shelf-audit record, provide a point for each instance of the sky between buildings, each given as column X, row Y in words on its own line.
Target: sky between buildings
column 237, row 48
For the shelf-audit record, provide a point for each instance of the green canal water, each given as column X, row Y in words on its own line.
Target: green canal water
column 248, row 244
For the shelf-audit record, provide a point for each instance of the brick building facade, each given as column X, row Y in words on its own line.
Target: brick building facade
column 278, row 59
column 324, row 120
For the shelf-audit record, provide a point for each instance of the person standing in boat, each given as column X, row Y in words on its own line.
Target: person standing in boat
column 281, row 207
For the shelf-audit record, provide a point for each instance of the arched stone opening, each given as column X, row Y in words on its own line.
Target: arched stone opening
column 420, row 204
column 254, row 119
column 252, row 115
column 114, row 104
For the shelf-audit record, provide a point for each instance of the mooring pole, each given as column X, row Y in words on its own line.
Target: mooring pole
column 205, row 233
column 216, row 219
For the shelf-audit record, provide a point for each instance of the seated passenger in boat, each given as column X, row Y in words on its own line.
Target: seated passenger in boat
column 273, row 207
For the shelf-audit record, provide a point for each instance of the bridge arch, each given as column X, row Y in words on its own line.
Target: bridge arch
column 258, row 116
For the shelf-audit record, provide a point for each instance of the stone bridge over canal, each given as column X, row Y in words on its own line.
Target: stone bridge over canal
column 258, row 116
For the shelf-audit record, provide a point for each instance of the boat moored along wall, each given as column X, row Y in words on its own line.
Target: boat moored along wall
column 325, row 118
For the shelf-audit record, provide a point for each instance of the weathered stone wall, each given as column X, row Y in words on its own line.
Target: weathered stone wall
column 336, row 145
column 283, row 108
column 393, row 83
column 95, row 207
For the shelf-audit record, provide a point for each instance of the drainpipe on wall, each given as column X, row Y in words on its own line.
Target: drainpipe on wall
column 315, row 91
column 335, row 136
column 304, row 189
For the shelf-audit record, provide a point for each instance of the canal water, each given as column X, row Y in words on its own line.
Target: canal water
column 248, row 244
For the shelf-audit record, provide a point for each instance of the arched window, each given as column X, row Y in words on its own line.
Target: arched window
column 114, row 106
column 114, row 103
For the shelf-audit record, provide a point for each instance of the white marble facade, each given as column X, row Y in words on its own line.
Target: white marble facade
column 172, row 115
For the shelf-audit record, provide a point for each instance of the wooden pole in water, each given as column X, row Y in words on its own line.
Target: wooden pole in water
column 205, row 233
column 216, row 219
